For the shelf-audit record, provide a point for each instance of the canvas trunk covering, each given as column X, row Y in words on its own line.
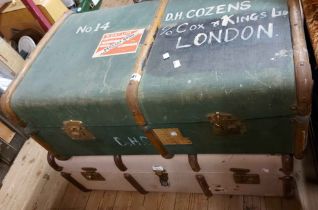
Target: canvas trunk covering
column 216, row 77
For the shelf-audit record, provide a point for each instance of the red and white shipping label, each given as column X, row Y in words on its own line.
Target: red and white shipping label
column 118, row 43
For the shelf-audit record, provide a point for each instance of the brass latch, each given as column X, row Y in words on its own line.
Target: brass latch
column 77, row 131
column 162, row 174
column 242, row 176
column 226, row 124
column 91, row 174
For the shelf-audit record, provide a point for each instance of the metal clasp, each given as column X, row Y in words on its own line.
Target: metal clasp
column 162, row 174
column 226, row 124
column 242, row 176
column 77, row 131
column 91, row 174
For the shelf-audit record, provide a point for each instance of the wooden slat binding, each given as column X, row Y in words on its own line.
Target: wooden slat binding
column 287, row 164
column 204, row 185
column 119, row 163
column 52, row 163
column 303, row 78
column 193, row 162
column 135, row 184
column 153, row 138
column 69, row 178
column 132, row 88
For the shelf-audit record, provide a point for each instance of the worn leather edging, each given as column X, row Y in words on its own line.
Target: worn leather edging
column 119, row 163
column 204, row 185
column 303, row 78
column 51, row 161
column 6, row 97
column 73, row 181
column 132, row 88
column 194, row 163
column 134, row 183
column 287, row 164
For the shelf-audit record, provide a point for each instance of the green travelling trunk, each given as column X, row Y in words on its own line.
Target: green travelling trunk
column 169, row 77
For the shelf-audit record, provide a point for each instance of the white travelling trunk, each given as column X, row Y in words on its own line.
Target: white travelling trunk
column 265, row 175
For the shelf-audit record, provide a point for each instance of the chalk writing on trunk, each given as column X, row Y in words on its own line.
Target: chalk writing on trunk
column 226, row 28
column 131, row 141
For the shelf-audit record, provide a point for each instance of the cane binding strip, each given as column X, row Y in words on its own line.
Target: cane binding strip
column 132, row 88
column 119, row 163
column 52, row 163
column 69, row 178
column 303, row 78
column 287, row 164
column 135, row 184
column 204, row 185
column 193, row 162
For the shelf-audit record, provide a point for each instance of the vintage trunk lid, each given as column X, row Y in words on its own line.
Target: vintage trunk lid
column 73, row 80
column 220, row 56
column 235, row 57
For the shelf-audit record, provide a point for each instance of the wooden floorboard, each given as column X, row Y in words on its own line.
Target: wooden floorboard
column 152, row 200
column 253, row 203
column 291, row 204
column 218, row 202
column 273, row 203
column 198, row 202
column 233, row 202
column 167, row 201
column 69, row 198
column 94, row 200
column 31, row 183
column 123, row 201
column 182, row 201
column 108, row 201
column 112, row 200
column 137, row 201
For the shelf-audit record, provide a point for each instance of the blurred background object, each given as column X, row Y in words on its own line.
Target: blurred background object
column 11, row 64
column 311, row 19
column 82, row 5
column 24, row 22
column 12, row 138
column 21, row 28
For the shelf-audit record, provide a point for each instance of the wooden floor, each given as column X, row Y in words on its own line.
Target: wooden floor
column 74, row 199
